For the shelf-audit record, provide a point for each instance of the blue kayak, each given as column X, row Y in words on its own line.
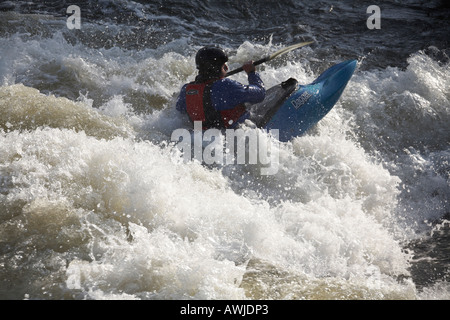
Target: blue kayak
column 293, row 108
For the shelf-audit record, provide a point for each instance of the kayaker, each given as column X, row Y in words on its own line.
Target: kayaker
column 217, row 101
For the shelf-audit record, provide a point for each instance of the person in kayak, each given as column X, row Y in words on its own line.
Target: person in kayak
column 213, row 99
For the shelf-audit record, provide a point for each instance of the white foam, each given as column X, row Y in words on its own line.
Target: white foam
column 124, row 218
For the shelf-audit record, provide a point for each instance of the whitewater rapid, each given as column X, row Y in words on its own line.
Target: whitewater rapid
column 96, row 202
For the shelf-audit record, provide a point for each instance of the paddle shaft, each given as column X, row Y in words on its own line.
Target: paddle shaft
column 265, row 59
column 272, row 56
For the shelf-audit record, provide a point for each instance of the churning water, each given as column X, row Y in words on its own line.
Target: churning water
column 95, row 202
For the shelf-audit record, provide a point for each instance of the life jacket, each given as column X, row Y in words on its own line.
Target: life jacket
column 199, row 107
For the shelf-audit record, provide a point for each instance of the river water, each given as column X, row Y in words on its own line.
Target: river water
column 96, row 204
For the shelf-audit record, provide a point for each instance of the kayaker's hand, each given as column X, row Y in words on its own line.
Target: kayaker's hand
column 249, row 67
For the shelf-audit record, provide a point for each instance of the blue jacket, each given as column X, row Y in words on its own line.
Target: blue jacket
column 227, row 94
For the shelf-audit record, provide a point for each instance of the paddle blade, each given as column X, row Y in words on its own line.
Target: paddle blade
column 287, row 49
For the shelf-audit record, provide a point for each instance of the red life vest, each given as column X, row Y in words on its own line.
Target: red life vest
column 200, row 108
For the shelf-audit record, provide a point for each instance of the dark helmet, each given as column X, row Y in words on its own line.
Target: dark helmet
column 210, row 57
